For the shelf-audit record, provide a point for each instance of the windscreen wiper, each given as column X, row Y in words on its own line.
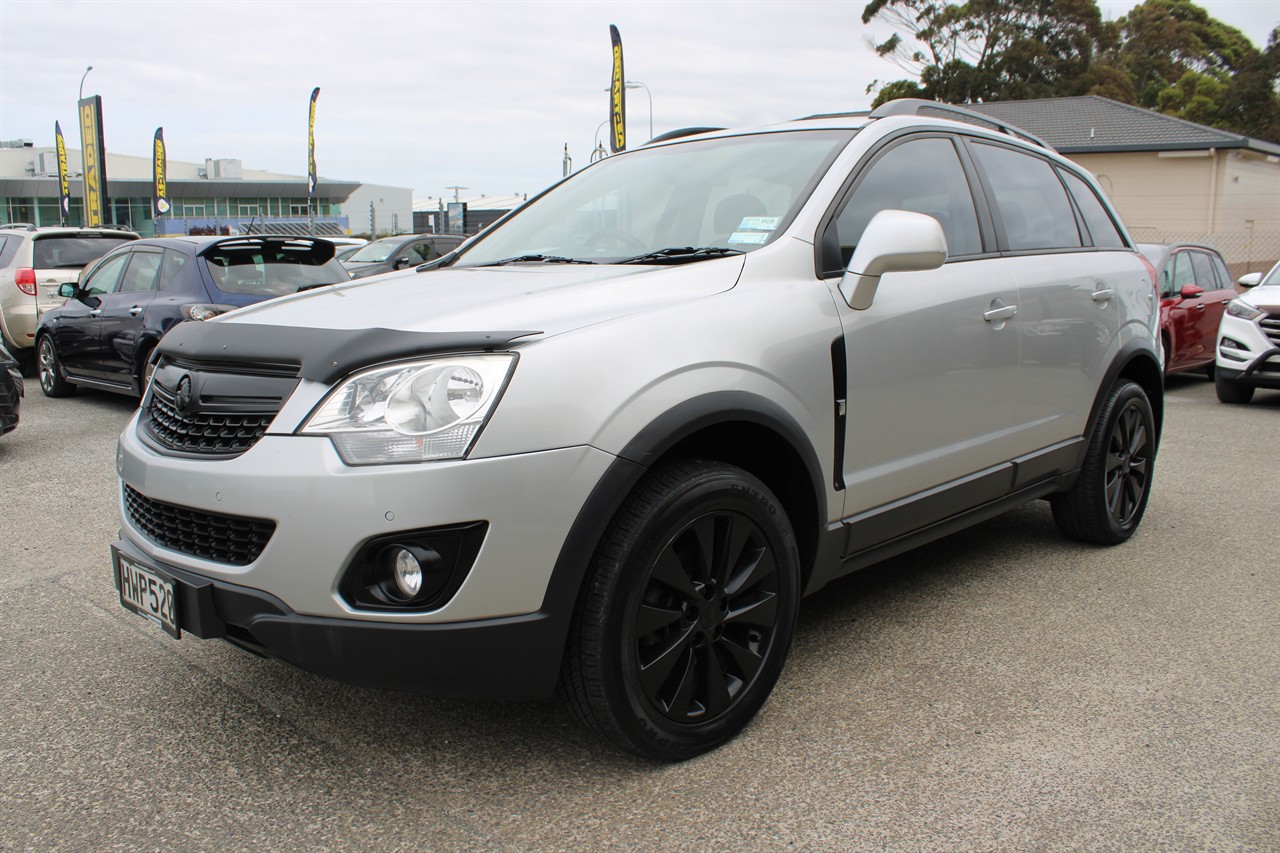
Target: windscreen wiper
column 680, row 255
column 538, row 259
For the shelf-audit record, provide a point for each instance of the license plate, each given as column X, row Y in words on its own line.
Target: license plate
column 147, row 594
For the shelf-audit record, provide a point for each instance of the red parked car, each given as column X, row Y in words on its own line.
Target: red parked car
column 1195, row 287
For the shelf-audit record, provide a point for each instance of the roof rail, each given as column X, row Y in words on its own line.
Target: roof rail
column 20, row 226
column 914, row 106
column 684, row 131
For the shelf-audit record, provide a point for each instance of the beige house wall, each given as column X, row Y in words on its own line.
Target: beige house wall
column 1226, row 199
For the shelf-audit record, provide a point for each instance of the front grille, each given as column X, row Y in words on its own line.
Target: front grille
column 206, row 433
column 231, row 539
column 1271, row 328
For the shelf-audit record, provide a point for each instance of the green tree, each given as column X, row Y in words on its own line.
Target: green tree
column 992, row 49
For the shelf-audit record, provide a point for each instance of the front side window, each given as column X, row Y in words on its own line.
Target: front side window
column 1031, row 200
column 1184, row 272
column 922, row 176
column 106, row 277
column 729, row 195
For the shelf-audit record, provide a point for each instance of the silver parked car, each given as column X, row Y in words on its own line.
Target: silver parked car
column 610, row 444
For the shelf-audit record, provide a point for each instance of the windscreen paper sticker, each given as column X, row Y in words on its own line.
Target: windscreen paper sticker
column 755, row 230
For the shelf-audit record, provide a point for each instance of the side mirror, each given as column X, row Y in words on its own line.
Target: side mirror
column 67, row 291
column 894, row 241
column 1252, row 279
column 1190, row 291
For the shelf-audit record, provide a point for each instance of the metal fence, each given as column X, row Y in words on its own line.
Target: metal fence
column 1246, row 250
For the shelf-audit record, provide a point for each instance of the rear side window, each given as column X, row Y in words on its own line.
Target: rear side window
column 271, row 267
column 71, row 251
column 1101, row 227
column 920, row 175
column 1031, row 200
column 174, row 263
column 141, row 275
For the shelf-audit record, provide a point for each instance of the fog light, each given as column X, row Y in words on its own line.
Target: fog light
column 406, row 570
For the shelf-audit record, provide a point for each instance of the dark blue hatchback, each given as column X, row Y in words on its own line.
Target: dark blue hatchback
column 103, row 335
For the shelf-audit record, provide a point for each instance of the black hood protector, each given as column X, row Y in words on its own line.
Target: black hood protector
column 321, row 355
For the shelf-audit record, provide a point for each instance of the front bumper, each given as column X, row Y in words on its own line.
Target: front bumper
column 515, row 657
column 493, row 636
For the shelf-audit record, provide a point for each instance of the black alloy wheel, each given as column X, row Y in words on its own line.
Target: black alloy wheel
column 687, row 615
column 1110, row 495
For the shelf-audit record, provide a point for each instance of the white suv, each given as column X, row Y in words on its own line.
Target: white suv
column 610, row 443
column 34, row 263
column 1249, row 339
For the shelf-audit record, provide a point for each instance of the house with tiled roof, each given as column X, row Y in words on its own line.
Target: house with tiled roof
column 1171, row 180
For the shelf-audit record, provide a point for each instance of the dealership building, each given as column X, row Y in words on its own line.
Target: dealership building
column 219, row 196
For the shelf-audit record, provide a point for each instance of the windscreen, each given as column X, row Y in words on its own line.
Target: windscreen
column 269, row 267
column 376, row 252
column 732, row 193
column 72, row 251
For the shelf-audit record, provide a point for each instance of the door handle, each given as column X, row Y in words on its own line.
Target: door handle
column 135, row 311
column 999, row 312
column 1103, row 294
column 96, row 312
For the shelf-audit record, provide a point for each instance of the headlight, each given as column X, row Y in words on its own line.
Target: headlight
column 414, row 412
column 1243, row 310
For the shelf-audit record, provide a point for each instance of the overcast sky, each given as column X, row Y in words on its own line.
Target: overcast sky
column 430, row 95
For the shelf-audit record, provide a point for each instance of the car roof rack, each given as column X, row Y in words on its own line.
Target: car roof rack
column 915, row 106
column 679, row 132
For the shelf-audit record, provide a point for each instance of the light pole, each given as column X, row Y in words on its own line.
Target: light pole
column 86, row 74
column 636, row 84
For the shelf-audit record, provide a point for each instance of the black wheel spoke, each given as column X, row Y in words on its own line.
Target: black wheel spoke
column 748, row 662
column 681, row 702
column 670, row 571
column 655, row 671
column 756, row 565
column 733, row 540
column 652, row 618
column 762, row 611
column 715, row 693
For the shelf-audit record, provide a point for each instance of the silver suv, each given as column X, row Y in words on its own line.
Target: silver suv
column 609, row 444
column 34, row 263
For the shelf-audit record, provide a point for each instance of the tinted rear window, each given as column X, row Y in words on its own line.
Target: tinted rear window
column 72, row 251
column 272, row 267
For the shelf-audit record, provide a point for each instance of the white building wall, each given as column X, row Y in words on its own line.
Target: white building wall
column 392, row 210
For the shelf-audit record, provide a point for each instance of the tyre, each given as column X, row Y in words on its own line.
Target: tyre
column 1107, row 501
column 687, row 612
column 49, row 368
column 1232, row 392
column 145, row 368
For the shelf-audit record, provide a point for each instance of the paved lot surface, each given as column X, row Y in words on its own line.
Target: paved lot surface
column 1002, row 689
